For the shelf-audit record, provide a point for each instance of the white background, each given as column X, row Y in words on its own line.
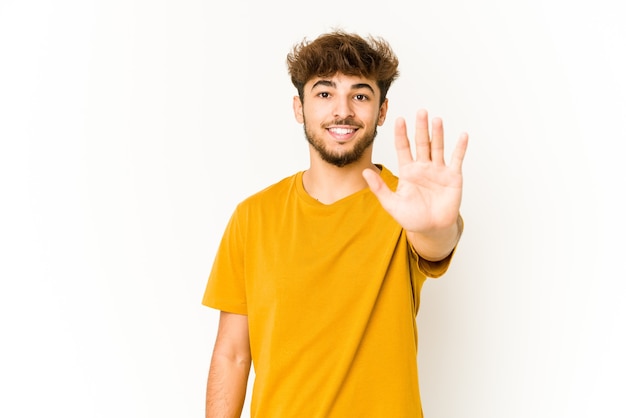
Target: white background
column 130, row 129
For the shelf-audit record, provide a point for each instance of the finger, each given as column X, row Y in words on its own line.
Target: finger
column 458, row 155
column 378, row 187
column 436, row 143
column 422, row 137
column 403, row 148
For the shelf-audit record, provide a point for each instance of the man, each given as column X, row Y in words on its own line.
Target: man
column 318, row 276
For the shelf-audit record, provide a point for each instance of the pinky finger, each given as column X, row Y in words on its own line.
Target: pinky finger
column 459, row 152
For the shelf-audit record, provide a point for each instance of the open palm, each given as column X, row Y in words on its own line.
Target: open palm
column 428, row 195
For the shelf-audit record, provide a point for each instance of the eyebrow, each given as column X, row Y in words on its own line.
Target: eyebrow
column 329, row 83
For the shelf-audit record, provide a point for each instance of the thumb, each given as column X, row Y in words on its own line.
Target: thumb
column 378, row 186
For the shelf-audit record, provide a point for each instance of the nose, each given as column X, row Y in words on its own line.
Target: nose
column 343, row 108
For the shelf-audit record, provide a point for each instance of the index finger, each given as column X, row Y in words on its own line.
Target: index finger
column 403, row 148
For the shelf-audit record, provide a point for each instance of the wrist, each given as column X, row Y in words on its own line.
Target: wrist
column 437, row 245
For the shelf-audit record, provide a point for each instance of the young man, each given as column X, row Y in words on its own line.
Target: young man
column 318, row 276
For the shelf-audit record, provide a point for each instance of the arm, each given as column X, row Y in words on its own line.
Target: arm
column 427, row 199
column 230, row 367
column 438, row 246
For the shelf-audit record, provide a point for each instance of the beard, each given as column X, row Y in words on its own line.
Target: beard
column 342, row 158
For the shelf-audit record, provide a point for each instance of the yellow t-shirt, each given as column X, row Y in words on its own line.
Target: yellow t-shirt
column 331, row 293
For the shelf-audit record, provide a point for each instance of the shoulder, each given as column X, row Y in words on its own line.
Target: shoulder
column 272, row 194
column 390, row 179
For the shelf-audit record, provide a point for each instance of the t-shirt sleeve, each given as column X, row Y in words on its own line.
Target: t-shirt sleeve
column 435, row 269
column 225, row 289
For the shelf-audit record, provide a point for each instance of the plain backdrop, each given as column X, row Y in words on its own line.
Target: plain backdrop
column 130, row 129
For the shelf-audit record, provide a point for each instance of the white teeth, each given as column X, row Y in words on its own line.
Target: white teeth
column 341, row 131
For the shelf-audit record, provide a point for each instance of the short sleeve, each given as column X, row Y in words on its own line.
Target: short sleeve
column 225, row 289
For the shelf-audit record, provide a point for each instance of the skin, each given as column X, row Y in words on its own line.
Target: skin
column 230, row 368
column 344, row 123
column 327, row 100
column 428, row 197
column 340, row 115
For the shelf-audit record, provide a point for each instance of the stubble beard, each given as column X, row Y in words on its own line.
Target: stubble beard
column 341, row 159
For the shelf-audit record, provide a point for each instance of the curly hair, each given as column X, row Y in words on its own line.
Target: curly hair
column 341, row 52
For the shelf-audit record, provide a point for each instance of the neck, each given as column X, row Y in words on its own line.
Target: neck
column 328, row 183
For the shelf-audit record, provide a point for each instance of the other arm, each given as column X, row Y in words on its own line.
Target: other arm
column 230, row 367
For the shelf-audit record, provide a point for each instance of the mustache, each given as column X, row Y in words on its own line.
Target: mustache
column 345, row 121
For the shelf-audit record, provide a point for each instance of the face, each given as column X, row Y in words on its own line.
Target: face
column 340, row 115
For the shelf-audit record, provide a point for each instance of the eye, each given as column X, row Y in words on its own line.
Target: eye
column 324, row 95
column 361, row 97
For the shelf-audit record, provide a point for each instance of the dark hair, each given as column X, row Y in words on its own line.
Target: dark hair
column 341, row 52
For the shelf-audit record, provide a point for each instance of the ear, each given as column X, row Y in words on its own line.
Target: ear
column 382, row 113
column 297, row 109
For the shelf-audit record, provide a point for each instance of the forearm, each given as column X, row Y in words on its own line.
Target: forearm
column 226, row 386
column 437, row 245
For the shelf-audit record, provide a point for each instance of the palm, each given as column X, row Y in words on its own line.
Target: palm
column 428, row 195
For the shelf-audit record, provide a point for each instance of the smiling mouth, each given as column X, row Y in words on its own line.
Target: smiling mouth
column 342, row 131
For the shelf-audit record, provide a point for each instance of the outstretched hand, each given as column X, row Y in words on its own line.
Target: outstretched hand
column 428, row 196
